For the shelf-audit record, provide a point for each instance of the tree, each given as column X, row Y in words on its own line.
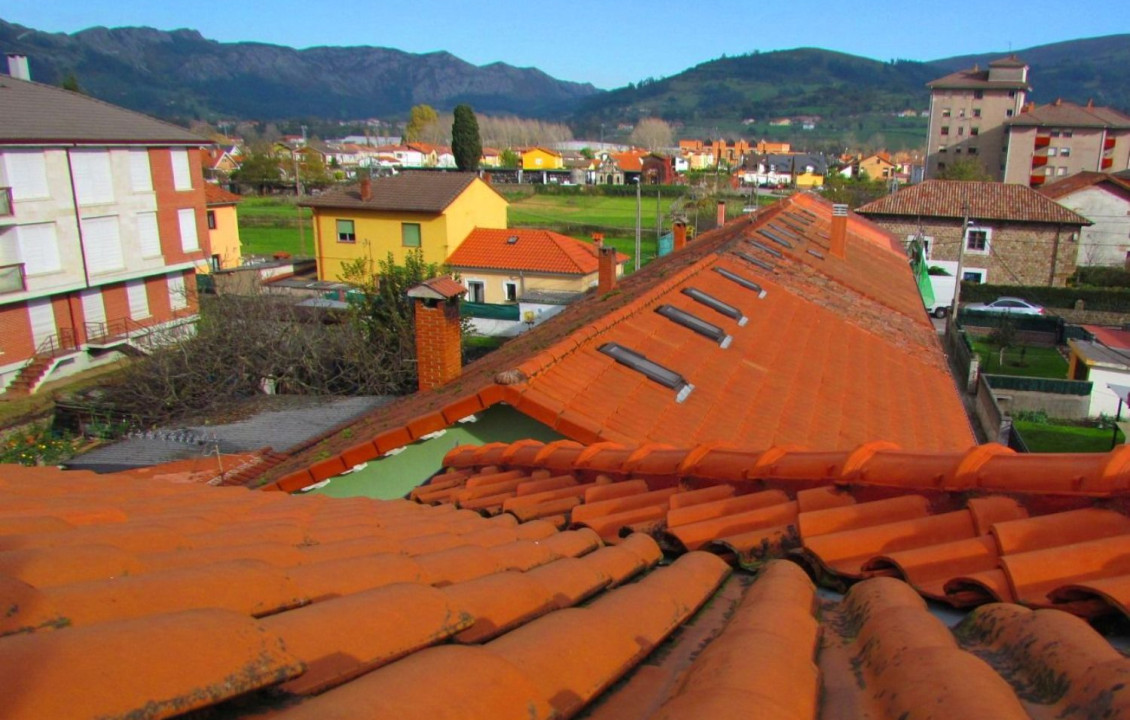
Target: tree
column 1003, row 336
column 312, row 169
column 964, row 169
column 652, row 133
column 70, row 82
column 259, row 167
column 419, row 120
column 509, row 159
column 466, row 144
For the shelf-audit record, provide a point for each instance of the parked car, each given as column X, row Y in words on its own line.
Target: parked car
column 1007, row 305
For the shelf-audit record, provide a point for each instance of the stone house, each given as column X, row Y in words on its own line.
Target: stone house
column 1012, row 235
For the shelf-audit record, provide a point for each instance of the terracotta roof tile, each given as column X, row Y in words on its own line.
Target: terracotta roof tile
column 1067, row 114
column 982, row 201
column 216, row 195
column 528, row 250
column 1083, row 180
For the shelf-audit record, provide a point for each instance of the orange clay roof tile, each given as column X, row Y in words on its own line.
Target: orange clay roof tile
column 526, row 250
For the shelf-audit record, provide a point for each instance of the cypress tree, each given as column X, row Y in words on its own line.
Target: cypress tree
column 466, row 145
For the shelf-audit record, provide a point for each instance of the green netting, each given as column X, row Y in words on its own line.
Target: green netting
column 920, row 268
column 487, row 311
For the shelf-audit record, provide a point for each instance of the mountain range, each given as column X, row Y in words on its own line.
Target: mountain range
column 181, row 74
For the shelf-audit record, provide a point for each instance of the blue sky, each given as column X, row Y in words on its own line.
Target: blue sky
column 606, row 43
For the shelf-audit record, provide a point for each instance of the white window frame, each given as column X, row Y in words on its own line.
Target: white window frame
column 182, row 169
column 988, row 239
column 982, row 272
column 506, row 285
column 468, row 282
column 189, row 232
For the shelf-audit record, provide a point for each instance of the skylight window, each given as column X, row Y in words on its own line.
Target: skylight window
column 695, row 323
column 756, row 261
column 512, row 240
column 649, row 368
column 772, row 251
column 801, row 219
column 816, row 254
column 787, row 231
column 716, row 305
column 747, row 284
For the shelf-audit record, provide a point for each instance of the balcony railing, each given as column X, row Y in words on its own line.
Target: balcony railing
column 1107, row 163
column 1108, row 144
column 12, row 278
column 6, row 209
column 1042, row 141
column 1036, row 180
column 1039, row 161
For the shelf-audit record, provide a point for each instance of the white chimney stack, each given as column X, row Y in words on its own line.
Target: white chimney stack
column 17, row 66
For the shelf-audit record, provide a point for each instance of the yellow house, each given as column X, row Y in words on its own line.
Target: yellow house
column 499, row 266
column 223, row 229
column 877, row 167
column 809, row 180
column 537, row 158
column 433, row 211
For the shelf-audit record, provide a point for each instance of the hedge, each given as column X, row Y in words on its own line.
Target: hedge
column 1110, row 277
column 1106, row 299
column 609, row 190
column 1023, row 323
column 1035, row 384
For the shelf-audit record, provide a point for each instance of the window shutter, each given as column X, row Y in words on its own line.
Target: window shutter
column 39, row 248
column 177, row 297
column 94, row 181
column 93, row 309
column 148, row 234
column 102, row 244
column 138, row 299
column 182, row 173
column 141, row 177
column 188, row 238
column 27, row 174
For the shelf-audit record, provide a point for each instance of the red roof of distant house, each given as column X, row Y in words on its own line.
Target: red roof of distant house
column 1079, row 181
column 525, row 249
column 980, row 200
column 216, row 195
column 1113, row 338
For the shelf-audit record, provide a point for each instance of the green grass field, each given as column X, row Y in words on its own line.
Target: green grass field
column 269, row 225
column 1028, row 361
column 1041, row 437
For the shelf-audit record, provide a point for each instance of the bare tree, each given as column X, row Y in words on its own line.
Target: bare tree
column 652, row 133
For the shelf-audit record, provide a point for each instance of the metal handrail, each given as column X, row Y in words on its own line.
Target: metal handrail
column 6, row 207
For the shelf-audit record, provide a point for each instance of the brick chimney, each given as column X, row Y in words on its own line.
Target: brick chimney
column 837, row 241
column 598, row 240
column 439, row 341
column 721, row 213
column 606, row 277
column 680, row 232
column 17, row 66
column 366, row 189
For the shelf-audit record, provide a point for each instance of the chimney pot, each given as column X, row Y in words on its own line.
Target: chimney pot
column 366, row 189
column 598, row 240
column 680, row 232
column 606, row 270
column 17, row 66
column 837, row 240
column 721, row 213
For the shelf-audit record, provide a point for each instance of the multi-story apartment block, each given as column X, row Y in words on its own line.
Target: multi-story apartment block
column 969, row 110
column 1058, row 140
column 102, row 224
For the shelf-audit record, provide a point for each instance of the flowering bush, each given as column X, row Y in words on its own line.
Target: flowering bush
column 37, row 445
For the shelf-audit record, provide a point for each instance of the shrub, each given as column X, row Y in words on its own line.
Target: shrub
column 1094, row 298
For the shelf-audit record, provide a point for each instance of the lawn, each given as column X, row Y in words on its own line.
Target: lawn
column 269, row 225
column 608, row 213
column 1029, row 361
column 1044, row 437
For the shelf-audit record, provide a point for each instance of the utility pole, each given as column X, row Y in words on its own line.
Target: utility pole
column 298, row 197
column 658, row 217
column 961, row 256
column 638, row 226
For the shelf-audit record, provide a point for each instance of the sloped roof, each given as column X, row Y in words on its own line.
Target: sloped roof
column 130, row 598
column 532, row 250
column 1083, row 180
column 1070, row 115
column 32, row 113
column 426, row 192
column 216, row 195
column 982, row 201
column 803, row 367
column 976, row 79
